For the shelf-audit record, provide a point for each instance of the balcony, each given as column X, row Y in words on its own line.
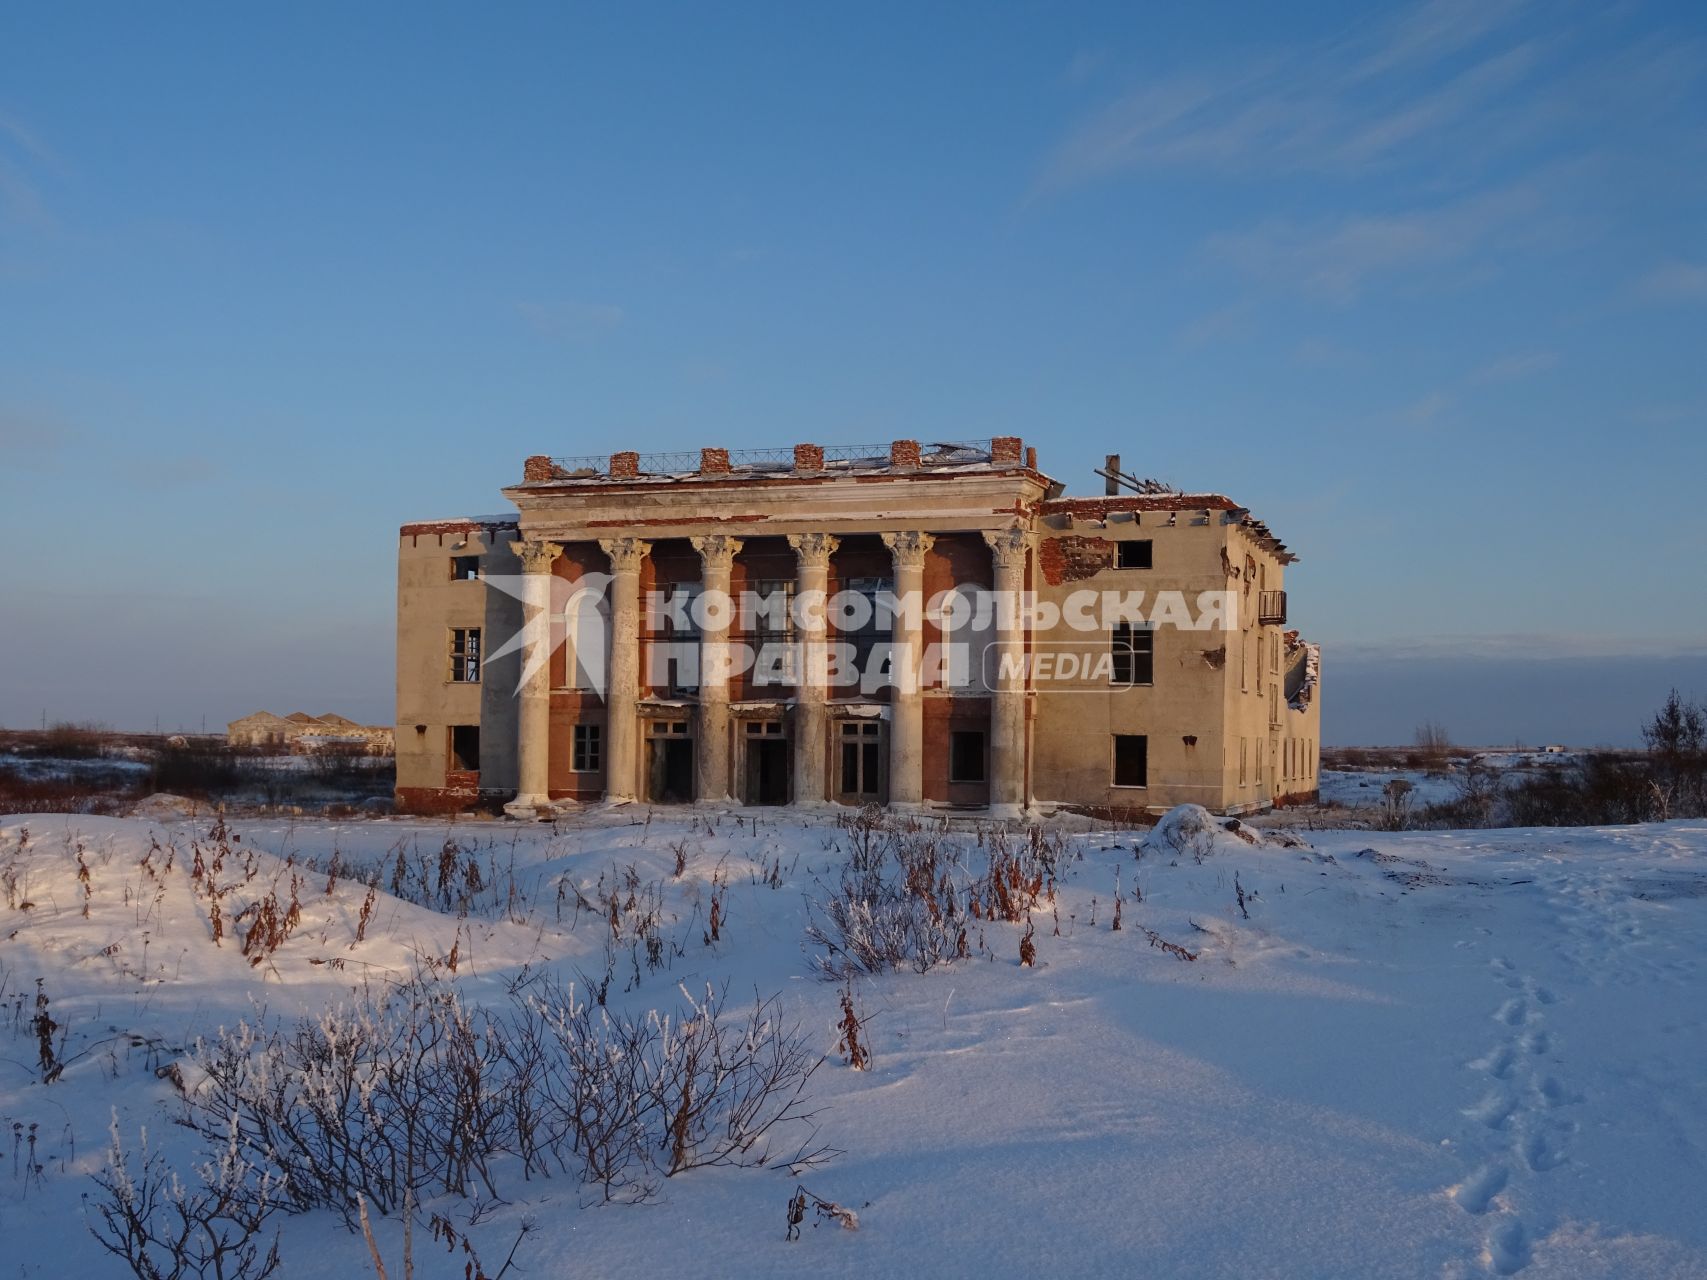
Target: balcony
column 1271, row 608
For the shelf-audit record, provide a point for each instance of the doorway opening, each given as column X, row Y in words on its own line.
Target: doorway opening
column 767, row 763
column 669, row 762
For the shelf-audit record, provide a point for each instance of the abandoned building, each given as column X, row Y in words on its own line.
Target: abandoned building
column 300, row 732
column 573, row 652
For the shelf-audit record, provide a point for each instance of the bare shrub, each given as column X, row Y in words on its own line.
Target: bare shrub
column 906, row 898
column 164, row 1229
column 1434, row 746
column 827, row 1211
column 848, row 1030
column 1477, row 802
column 412, row 1094
column 1395, row 805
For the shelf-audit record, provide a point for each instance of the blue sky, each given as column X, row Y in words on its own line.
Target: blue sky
column 1425, row 286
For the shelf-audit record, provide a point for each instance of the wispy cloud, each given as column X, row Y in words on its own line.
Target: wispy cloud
column 1219, row 325
column 1321, row 353
column 1347, row 102
column 1441, row 406
column 22, row 156
column 1675, row 281
column 572, row 321
column 1514, row 367
column 1084, row 64
column 1335, row 259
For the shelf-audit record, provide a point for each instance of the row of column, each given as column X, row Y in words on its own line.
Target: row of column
column 1009, row 550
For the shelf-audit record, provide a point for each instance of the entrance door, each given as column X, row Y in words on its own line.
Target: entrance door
column 860, row 772
column 768, row 763
column 767, row 766
column 669, row 763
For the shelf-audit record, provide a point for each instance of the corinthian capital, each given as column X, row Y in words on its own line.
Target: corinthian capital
column 814, row 549
column 625, row 553
column 908, row 548
column 536, row 557
column 1008, row 547
column 716, row 550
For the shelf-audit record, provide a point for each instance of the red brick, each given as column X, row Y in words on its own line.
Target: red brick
column 1072, row 558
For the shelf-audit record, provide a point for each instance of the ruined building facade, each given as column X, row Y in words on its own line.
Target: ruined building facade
column 1086, row 695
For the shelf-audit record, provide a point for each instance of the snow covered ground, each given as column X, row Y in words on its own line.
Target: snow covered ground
column 1421, row 1054
column 1362, row 788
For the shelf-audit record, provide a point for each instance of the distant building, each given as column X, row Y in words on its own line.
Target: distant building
column 1068, row 704
column 300, row 731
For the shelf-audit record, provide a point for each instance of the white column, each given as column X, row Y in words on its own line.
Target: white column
column 533, row 711
column 906, row 706
column 1010, row 549
column 622, row 668
column 711, row 754
column 811, row 724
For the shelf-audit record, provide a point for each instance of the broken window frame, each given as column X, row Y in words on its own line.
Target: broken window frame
column 464, row 655
column 1132, row 662
column 1135, row 553
column 457, row 760
column 1116, row 764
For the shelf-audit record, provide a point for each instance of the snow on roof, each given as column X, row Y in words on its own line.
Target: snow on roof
column 460, row 524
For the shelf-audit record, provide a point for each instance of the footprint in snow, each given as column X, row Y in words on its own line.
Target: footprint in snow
column 1542, row 1153
column 1497, row 1063
column 1493, row 1110
column 1476, row 1193
column 1508, row 1248
column 1512, row 1012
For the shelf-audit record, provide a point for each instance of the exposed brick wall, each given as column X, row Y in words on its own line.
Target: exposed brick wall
column 1072, row 557
column 432, row 801
column 537, row 469
column 904, row 453
column 808, row 457
column 714, row 462
column 1031, row 457
column 1099, row 508
column 1008, row 449
column 494, row 532
column 624, row 466
column 955, row 558
column 943, row 716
